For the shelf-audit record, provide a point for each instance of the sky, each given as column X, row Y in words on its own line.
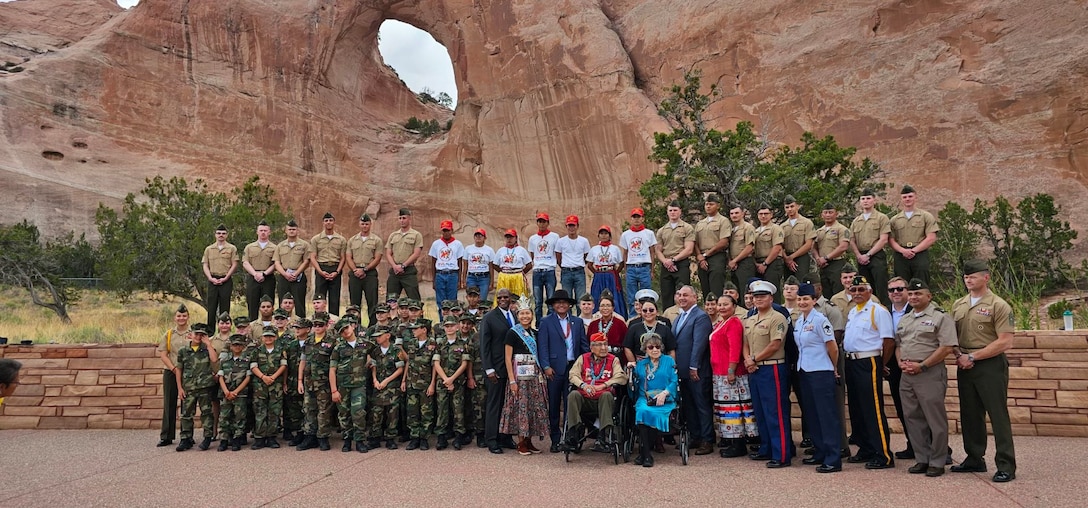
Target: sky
column 420, row 61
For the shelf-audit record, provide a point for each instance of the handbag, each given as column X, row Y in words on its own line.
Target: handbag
column 525, row 367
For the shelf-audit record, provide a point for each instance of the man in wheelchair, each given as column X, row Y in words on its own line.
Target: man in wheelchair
column 593, row 377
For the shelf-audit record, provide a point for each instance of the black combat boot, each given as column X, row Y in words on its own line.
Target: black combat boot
column 236, row 444
column 441, row 444
column 185, row 444
column 323, row 444
column 309, row 441
column 361, row 447
column 271, row 442
column 205, row 444
column 258, row 443
column 423, row 444
column 458, row 441
column 223, row 445
column 347, row 446
column 296, row 439
column 412, row 445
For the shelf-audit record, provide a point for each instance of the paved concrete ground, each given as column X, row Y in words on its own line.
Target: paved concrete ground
column 124, row 468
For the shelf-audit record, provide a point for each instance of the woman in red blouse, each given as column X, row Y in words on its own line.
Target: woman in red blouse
column 609, row 324
column 733, row 412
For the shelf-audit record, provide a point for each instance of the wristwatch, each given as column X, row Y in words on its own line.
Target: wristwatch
column 922, row 367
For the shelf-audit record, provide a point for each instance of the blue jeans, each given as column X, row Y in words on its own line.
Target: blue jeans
column 543, row 288
column 480, row 281
column 445, row 286
column 638, row 277
column 574, row 281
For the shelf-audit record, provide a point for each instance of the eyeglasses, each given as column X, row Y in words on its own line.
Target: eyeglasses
column 655, row 346
column 502, row 297
column 896, row 290
column 859, row 290
column 651, row 309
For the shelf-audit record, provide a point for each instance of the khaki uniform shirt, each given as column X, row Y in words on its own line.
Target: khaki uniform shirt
column 172, row 342
column 797, row 234
column 711, row 229
column 867, row 231
column 910, row 232
column 760, row 331
column 260, row 259
column 743, row 234
column 833, row 313
column 219, row 260
column 766, row 238
column 979, row 325
column 329, row 250
column 671, row 240
column 403, row 244
column 828, row 238
column 363, row 251
column 919, row 334
column 292, row 257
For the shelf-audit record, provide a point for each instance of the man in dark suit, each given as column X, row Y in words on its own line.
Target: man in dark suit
column 493, row 330
column 692, row 329
column 561, row 340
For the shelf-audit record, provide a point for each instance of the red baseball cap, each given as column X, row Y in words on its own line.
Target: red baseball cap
column 481, row 232
column 543, row 216
column 511, row 232
column 447, row 224
column 638, row 212
column 605, row 227
column 572, row 219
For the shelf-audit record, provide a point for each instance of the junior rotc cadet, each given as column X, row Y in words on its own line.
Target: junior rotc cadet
column 172, row 342
column 363, row 255
column 348, row 369
column 386, row 366
column 327, row 255
column 832, row 242
column 314, row 383
column 925, row 336
column 266, row 318
column 402, row 250
column 287, row 303
column 419, row 383
column 381, row 318
column 712, row 235
column 741, row 243
column 800, row 234
column 868, row 342
column 293, row 399
column 241, row 326
column 768, row 249
column 196, row 366
column 868, row 236
column 280, row 321
column 676, row 240
column 220, row 342
column 439, row 330
column 985, row 323
column 291, row 259
column 268, row 364
column 452, row 359
column 913, row 232
column 474, row 381
column 259, row 268
column 233, row 379
column 415, row 313
column 219, row 263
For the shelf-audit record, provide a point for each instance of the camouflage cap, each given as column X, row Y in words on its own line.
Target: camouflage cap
column 342, row 324
column 380, row 330
column 450, row 320
column 418, row 323
column 280, row 313
column 241, row 340
column 404, row 301
column 468, row 317
column 381, row 308
column 485, row 304
column 241, row 321
column 472, row 290
column 353, row 308
column 269, row 330
column 200, row 328
column 446, row 304
column 223, row 316
column 303, row 323
column 321, row 317
column 415, row 304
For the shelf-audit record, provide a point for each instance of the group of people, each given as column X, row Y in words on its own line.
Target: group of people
column 841, row 331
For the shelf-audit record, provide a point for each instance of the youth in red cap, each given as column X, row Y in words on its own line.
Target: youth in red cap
column 637, row 212
column 481, row 232
column 447, row 224
column 543, row 216
column 572, row 219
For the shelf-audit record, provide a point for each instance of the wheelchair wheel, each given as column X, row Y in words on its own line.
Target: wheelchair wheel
column 684, row 446
column 617, row 444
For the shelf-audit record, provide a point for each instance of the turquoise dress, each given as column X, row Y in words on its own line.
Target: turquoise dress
column 663, row 379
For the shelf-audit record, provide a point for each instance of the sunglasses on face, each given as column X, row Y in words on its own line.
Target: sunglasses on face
column 896, row 290
column 649, row 310
column 858, row 290
column 652, row 347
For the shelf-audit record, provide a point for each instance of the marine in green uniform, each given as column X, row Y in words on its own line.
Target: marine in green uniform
column 291, row 259
column 219, row 262
column 913, row 232
column 197, row 365
column 832, row 242
column 348, row 372
column 418, row 383
column 314, row 382
column 268, row 363
column 711, row 247
column 451, row 364
column 386, row 367
column 768, row 249
column 233, row 379
column 293, row 398
column 868, row 235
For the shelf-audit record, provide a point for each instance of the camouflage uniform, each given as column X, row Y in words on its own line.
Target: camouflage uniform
column 318, row 396
column 293, row 416
column 418, row 377
column 449, row 356
column 386, row 402
column 351, row 380
column 268, row 399
column 232, row 413
column 474, row 410
column 198, row 381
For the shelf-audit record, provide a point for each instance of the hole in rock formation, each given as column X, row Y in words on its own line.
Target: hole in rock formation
column 53, row 156
column 420, row 61
column 79, row 144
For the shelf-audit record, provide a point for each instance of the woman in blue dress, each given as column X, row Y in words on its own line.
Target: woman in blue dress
column 655, row 396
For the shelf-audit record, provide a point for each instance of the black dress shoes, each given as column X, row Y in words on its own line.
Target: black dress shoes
column 1003, row 477
column 873, row 464
column 775, row 464
column 165, row 442
column 809, row 461
column 918, row 468
column 824, row 468
column 758, row 456
column 967, row 468
column 495, row 449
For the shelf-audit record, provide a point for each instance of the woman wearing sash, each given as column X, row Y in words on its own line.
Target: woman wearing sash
column 606, row 262
column 613, row 327
column 525, row 412
column 655, row 396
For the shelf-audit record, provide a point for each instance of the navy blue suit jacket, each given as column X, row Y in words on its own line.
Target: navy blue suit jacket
column 552, row 344
column 693, row 344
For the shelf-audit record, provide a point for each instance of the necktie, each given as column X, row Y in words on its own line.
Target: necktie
column 509, row 319
column 680, row 320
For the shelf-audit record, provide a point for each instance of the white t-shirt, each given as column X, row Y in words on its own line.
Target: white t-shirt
column 447, row 256
column 867, row 328
column 543, row 250
column 603, row 256
column 638, row 245
column 479, row 258
column 512, row 259
column 573, row 251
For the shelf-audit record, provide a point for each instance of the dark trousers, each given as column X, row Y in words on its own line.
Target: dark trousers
column 671, row 281
column 219, row 299
column 329, row 288
column 696, row 397
column 865, row 394
column 557, row 402
column 168, row 430
column 773, row 274
column 496, row 397
column 712, row 280
column 908, row 269
column 804, row 267
column 297, row 290
column 802, row 402
column 895, row 376
column 771, row 402
column 364, row 287
column 824, row 424
column 983, row 391
column 746, row 269
column 255, row 290
column 876, row 272
column 830, row 276
column 647, row 436
column 406, row 281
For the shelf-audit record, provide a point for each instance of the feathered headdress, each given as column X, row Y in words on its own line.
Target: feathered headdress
column 523, row 303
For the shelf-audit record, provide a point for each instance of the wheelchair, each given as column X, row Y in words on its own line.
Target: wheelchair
column 612, row 442
column 678, row 426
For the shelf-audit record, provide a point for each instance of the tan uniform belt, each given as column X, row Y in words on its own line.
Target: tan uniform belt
column 771, row 362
